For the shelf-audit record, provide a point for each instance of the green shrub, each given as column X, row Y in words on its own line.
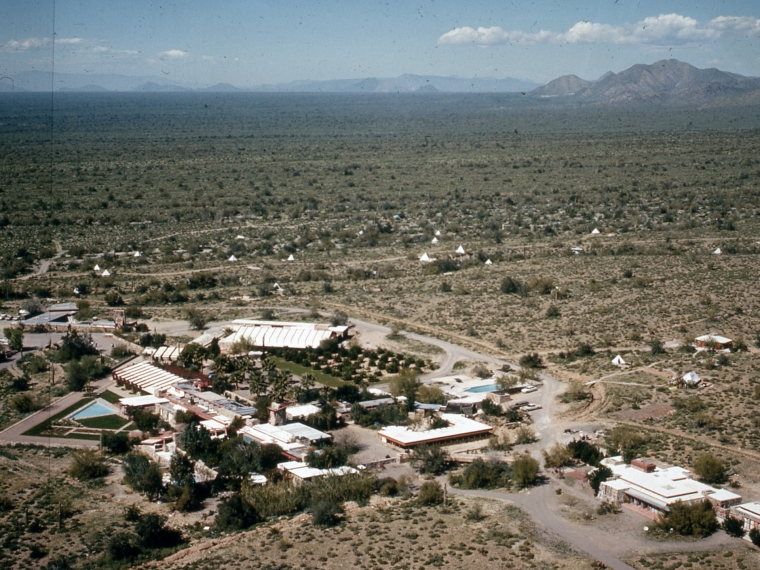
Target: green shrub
column 482, row 474
column 431, row 493
column 697, row 519
column 235, row 514
column 87, row 464
column 326, row 513
column 733, row 527
column 525, row 471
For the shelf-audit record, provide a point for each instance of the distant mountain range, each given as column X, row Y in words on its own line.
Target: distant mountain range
column 41, row 81
column 665, row 82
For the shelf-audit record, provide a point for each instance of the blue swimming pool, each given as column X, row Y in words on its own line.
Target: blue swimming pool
column 93, row 410
column 480, row 389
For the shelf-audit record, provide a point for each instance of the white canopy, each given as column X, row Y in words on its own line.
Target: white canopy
column 717, row 251
column 595, row 231
column 460, row 250
column 618, row 361
column 291, row 258
column 232, row 258
column 691, row 378
column 96, row 268
column 106, row 273
column 489, row 262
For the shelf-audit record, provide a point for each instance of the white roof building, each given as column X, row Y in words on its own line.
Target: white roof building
column 301, row 472
column 276, row 334
column 460, row 429
column 300, row 412
column 655, row 489
column 146, row 377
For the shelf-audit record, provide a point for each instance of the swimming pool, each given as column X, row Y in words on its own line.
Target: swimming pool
column 95, row 409
column 480, row 389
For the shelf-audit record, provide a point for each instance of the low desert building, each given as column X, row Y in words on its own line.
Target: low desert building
column 651, row 490
column 459, row 430
column 713, row 342
column 749, row 514
column 276, row 334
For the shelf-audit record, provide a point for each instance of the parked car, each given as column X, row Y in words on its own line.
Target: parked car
column 531, row 408
column 528, row 389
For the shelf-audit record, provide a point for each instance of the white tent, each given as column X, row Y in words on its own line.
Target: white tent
column 438, row 233
column 618, row 361
column 460, row 250
column 425, row 258
column 138, row 254
column 240, row 237
column 489, row 262
column 96, row 268
column 106, row 273
column 435, row 240
column 361, row 232
column 291, row 258
column 595, row 231
column 277, row 287
column 717, row 251
column 232, row 258
column 691, row 379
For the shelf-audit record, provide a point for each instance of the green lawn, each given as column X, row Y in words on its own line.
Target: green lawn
column 110, row 397
column 104, row 422
column 299, row 370
column 42, row 427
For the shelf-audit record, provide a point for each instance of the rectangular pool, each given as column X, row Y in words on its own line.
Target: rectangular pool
column 480, row 389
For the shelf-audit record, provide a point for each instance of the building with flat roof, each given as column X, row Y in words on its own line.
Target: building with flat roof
column 276, row 334
column 749, row 514
column 652, row 490
column 459, row 430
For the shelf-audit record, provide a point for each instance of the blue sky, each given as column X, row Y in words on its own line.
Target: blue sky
column 250, row 42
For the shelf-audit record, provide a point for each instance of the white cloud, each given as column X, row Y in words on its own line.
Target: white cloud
column 174, row 53
column 24, row 45
column 736, row 24
column 662, row 30
column 69, row 41
column 491, row 36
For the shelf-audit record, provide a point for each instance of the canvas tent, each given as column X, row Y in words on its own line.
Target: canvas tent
column 595, row 231
column 489, row 262
column 291, row 258
column 96, row 268
column 717, row 252
column 460, row 250
column 438, row 233
column 138, row 254
column 618, row 361
column 106, row 273
column 691, row 379
column 435, row 240
column 232, row 258
column 425, row 258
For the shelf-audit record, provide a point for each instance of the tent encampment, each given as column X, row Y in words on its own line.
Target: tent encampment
column 232, row 258
column 618, row 361
column 460, row 250
column 489, row 262
column 425, row 258
column 291, row 258
column 595, row 232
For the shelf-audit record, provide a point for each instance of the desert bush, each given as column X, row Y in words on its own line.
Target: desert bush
column 326, row 513
column 696, row 519
column 25, row 403
column 152, row 532
column 710, row 469
column 80, row 372
column 754, row 537
column 511, row 286
column 234, row 513
column 524, row 435
column 531, row 360
column 553, row 312
column 430, row 459
column 525, row 470
column 430, row 494
column 586, row 452
column 482, row 474
column 558, row 456
column 733, row 527
column 87, row 464
column 576, row 392
column 143, row 475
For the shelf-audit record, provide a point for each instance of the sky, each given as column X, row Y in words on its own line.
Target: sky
column 199, row 43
